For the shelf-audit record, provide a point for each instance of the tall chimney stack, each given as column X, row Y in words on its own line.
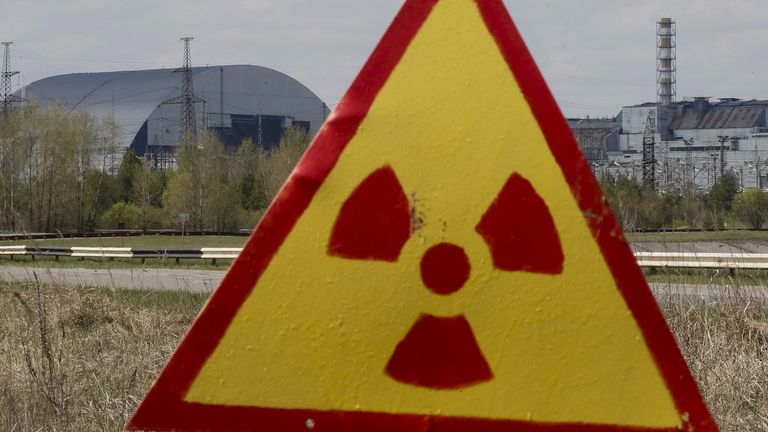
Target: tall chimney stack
column 666, row 45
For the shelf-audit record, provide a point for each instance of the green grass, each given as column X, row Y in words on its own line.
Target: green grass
column 699, row 236
column 178, row 242
column 143, row 242
column 169, row 301
column 193, row 242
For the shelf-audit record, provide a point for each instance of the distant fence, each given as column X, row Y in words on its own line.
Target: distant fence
column 644, row 259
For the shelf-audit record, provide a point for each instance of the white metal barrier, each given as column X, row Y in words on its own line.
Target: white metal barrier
column 102, row 252
column 703, row 260
column 220, row 253
column 644, row 259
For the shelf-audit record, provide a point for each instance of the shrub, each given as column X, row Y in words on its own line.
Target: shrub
column 750, row 207
column 122, row 216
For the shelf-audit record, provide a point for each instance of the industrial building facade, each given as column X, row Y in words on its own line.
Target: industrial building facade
column 682, row 146
column 695, row 142
column 235, row 102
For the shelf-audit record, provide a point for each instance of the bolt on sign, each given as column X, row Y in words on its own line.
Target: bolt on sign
column 441, row 259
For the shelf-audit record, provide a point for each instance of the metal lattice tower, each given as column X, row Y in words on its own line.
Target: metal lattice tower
column 649, row 150
column 5, row 84
column 666, row 58
column 188, row 119
column 187, row 98
column 722, row 139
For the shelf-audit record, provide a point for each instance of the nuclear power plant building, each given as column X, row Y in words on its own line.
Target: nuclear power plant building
column 694, row 142
column 679, row 145
column 235, row 102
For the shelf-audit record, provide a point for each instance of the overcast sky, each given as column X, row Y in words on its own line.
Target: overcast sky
column 596, row 55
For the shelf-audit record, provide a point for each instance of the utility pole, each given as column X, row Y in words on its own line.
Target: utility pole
column 649, row 151
column 5, row 83
column 722, row 139
column 690, row 169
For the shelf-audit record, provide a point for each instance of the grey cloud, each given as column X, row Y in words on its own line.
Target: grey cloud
column 596, row 55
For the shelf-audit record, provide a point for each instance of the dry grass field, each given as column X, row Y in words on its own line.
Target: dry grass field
column 80, row 359
column 726, row 346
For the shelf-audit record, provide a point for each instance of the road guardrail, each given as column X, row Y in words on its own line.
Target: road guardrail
column 212, row 254
column 644, row 259
column 703, row 260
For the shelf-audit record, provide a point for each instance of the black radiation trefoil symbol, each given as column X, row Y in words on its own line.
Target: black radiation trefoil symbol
column 442, row 352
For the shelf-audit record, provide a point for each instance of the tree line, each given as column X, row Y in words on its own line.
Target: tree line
column 58, row 172
column 639, row 207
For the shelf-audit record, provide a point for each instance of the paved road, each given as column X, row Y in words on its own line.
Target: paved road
column 711, row 293
column 206, row 281
column 163, row 279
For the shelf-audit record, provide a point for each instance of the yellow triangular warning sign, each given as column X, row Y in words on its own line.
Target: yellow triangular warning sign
column 441, row 259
